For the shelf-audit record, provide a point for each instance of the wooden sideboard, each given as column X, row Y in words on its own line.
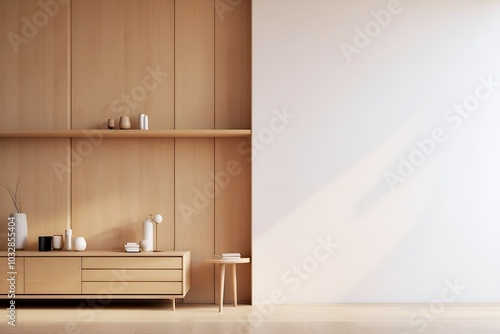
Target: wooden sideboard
column 97, row 274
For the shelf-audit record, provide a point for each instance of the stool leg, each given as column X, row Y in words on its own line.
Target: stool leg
column 235, row 287
column 222, row 276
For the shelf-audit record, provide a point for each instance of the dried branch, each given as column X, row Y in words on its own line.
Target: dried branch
column 13, row 195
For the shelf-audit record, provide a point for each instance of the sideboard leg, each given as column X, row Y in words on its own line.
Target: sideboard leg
column 173, row 304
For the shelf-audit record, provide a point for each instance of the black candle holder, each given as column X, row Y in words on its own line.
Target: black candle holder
column 44, row 243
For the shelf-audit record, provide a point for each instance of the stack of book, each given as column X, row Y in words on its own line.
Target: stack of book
column 132, row 247
column 228, row 256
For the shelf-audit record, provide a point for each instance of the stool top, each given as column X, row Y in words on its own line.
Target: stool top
column 235, row 260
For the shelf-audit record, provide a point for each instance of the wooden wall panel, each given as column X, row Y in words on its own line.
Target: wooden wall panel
column 233, row 211
column 124, row 58
column 123, row 61
column 34, row 62
column 194, row 212
column 233, row 66
column 42, row 165
column 194, row 64
column 116, row 183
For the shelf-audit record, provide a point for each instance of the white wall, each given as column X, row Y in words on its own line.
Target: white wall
column 321, row 172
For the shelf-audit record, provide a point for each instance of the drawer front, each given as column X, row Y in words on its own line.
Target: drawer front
column 52, row 275
column 132, row 288
column 19, row 277
column 131, row 275
column 132, row 263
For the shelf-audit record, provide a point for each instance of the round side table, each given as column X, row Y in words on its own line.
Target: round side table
column 222, row 263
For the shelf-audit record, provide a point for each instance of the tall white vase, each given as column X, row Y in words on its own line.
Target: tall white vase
column 147, row 236
column 21, row 230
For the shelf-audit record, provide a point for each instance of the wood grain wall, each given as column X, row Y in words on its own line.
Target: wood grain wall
column 185, row 63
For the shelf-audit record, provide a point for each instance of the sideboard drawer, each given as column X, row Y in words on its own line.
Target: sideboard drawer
column 132, row 263
column 19, row 276
column 131, row 275
column 124, row 288
column 52, row 275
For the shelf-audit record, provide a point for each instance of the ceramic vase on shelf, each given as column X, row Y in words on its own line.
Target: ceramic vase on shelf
column 143, row 122
column 124, row 122
column 21, row 229
column 79, row 244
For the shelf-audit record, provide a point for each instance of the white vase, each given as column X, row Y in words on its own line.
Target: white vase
column 67, row 241
column 145, row 246
column 79, row 244
column 21, row 229
column 147, row 236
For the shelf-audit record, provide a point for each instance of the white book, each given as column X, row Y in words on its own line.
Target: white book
column 228, row 256
column 231, row 255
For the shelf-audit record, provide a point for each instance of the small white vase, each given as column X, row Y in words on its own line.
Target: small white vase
column 21, row 229
column 146, row 246
column 79, row 244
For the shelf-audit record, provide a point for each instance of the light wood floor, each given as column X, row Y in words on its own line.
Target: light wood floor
column 141, row 317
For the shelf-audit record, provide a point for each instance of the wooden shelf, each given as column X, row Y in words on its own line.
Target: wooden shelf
column 126, row 133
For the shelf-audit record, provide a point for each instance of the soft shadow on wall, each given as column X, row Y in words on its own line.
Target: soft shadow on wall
column 390, row 152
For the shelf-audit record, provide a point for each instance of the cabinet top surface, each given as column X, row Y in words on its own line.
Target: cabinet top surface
column 90, row 253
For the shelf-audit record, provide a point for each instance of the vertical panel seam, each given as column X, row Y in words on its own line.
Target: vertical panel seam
column 174, row 139
column 70, row 116
column 214, row 155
